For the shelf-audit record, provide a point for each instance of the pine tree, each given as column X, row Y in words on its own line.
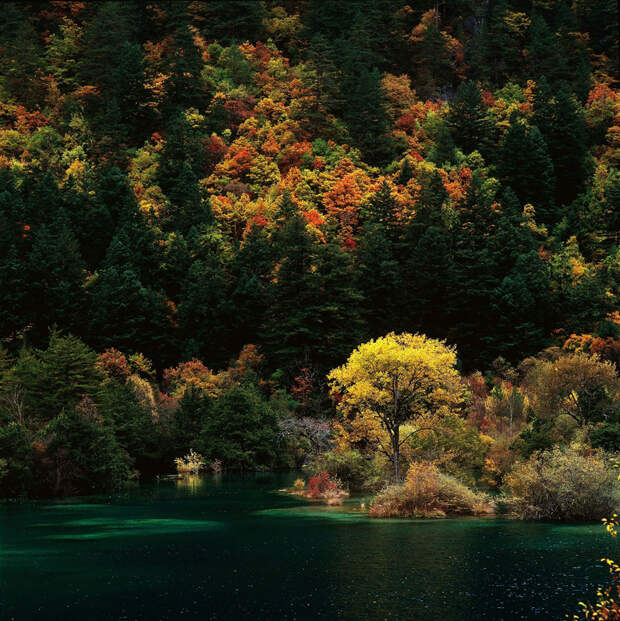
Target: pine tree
column 324, row 81
column 130, row 92
column 184, row 86
column 251, row 296
column 229, row 21
column 123, row 313
column 468, row 119
column 58, row 377
column 544, row 52
column 379, row 281
column 22, row 55
column 16, row 307
column 427, row 280
column 381, row 208
column 205, row 312
column 367, row 117
column 526, row 167
column 561, row 121
column 286, row 330
column 336, row 326
column 55, row 274
column 105, row 37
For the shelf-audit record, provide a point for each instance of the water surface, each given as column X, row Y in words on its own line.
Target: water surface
column 235, row 548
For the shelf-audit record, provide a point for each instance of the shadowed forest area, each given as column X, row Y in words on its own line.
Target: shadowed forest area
column 205, row 207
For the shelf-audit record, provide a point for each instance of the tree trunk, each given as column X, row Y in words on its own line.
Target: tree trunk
column 396, row 454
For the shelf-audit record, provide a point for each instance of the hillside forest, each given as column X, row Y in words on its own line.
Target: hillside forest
column 207, row 206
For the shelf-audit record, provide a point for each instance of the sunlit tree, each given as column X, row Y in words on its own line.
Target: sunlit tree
column 392, row 381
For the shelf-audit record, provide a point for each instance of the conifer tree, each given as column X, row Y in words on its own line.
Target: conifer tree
column 468, row 119
column 526, row 167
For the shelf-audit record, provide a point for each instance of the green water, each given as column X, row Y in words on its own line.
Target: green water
column 237, row 549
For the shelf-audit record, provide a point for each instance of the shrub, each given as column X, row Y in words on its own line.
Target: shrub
column 17, row 476
column 427, row 492
column 324, row 487
column 192, row 463
column 563, row 484
column 351, row 467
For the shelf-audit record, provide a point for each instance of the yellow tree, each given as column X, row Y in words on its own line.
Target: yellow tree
column 394, row 381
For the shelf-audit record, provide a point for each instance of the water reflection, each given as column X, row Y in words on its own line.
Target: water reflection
column 191, row 484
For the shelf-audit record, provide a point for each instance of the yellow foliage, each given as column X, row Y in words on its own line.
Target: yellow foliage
column 144, row 392
column 397, row 370
column 77, row 170
column 390, row 382
column 192, row 463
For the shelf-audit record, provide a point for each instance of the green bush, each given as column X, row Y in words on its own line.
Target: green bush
column 563, row 484
column 357, row 472
column 17, row 475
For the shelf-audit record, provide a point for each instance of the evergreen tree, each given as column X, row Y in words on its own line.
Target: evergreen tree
column 561, row 121
column 205, row 312
column 127, row 315
column 251, row 295
column 22, row 55
column 55, row 274
column 286, row 330
column 16, row 307
column 85, row 454
column 229, row 21
column 544, row 52
column 240, row 430
column 367, row 117
column 526, row 167
column 131, row 422
column 381, row 208
column 324, row 80
column 104, row 39
column 427, row 282
column 130, row 92
column 58, row 377
column 184, row 87
column 379, row 281
column 468, row 119
column 336, row 327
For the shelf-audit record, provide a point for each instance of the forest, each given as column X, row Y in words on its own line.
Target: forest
column 218, row 219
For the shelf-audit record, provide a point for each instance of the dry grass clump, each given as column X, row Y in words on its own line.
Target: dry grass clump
column 563, row 484
column 429, row 493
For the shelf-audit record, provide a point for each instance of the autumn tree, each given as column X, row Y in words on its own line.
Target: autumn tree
column 578, row 385
column 393, row 381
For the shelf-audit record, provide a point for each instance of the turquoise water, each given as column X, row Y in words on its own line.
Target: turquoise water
column 235, row 548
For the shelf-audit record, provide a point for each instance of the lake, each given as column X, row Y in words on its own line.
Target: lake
column 235, row 548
